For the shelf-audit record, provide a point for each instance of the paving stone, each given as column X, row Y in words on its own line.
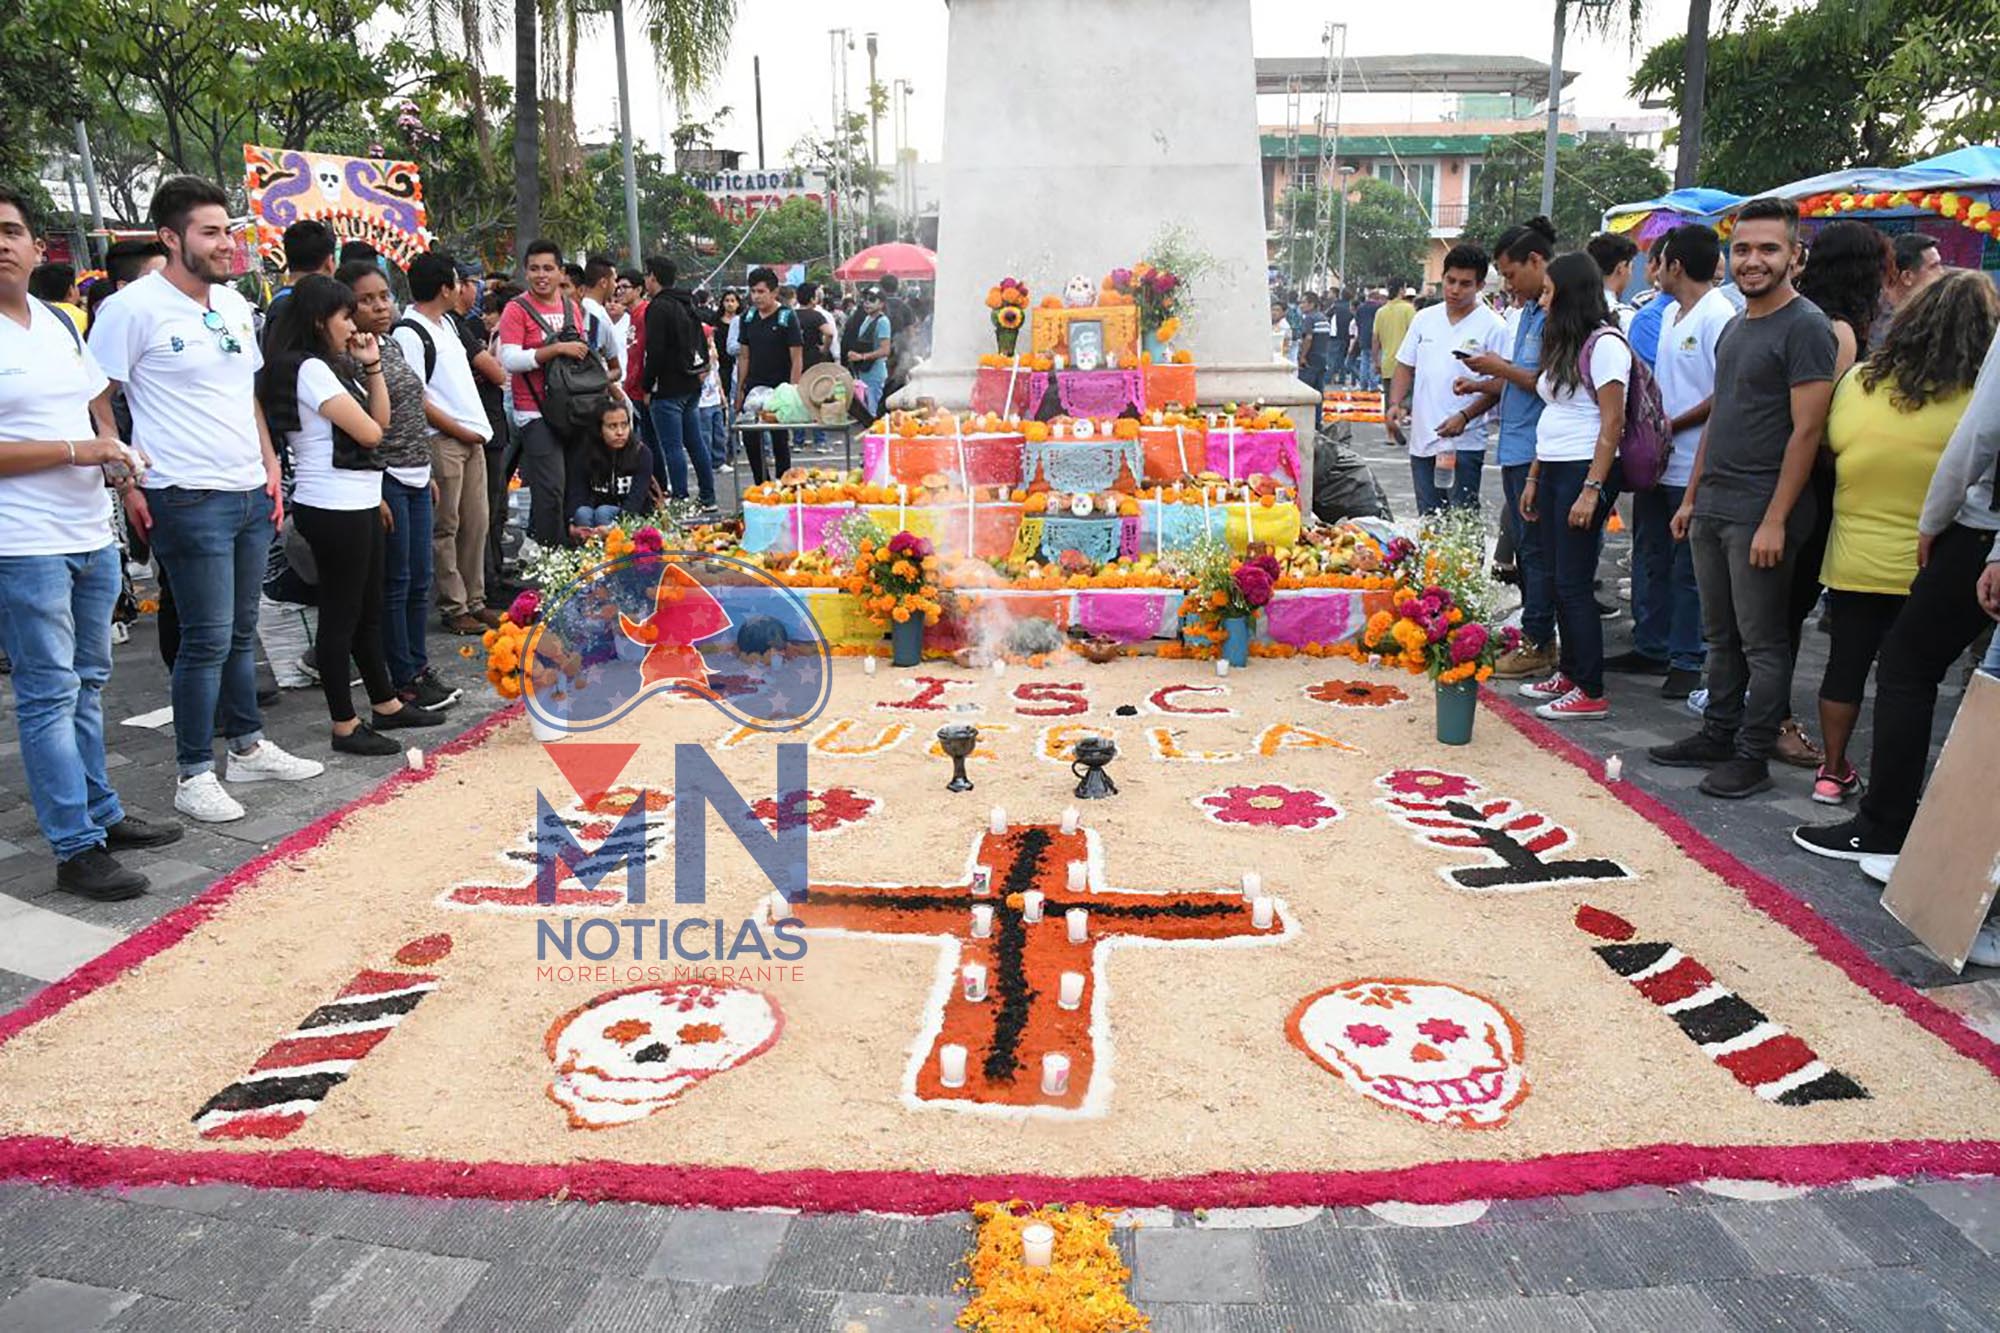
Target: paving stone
column 725, row 1248
column 1539, row 1314
column 895, row 1314
column 1254, row 1319
column 1897, row 1300
column 620, row 1304
column 48, row 1305
column 1789, row 1236
column 482, row 1229
column 1210, row 1267
column 1629, row 1199
column 154, row 1314
column 384, row 1288
column 1891, row 1226
column 1562, row 1257
column 1681, row 1309
column 8, row 849
column 1971, row 1205
column 396, row 1221
column 230, row 1264
column 171, row 875
column 1776, row 1305
column 523, row 1298
column 769, row 1309
column 264, row 829
column 16, row 989
column 1674, row 1245
column 1318, row 1266
column 214, row 1200
column 1457, row 1264
column 603, row 1237
column 861, row 1253
column 106, row 1243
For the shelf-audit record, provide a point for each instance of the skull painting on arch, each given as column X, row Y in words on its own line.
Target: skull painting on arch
column 1435, row 1051
column 1079, row 291
column 628, row 1053
column 326, row 175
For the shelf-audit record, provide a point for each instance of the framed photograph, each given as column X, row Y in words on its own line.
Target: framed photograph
column 1086, row 343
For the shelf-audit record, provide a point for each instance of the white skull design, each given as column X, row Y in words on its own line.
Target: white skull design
column 1079, row 291
column 327, row 176
column 629, row 1053
column 1427, row 1048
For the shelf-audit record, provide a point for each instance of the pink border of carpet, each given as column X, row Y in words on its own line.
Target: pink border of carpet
column 63, row 1161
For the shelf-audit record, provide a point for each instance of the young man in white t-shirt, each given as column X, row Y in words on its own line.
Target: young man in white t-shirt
column 459, row 431
column 184, row 347
column 1445, row 460
column 59, row 573
column 600, row 277
column 1666, row 603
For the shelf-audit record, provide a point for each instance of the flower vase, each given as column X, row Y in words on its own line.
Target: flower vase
column 1236, row 641
column 1006, row 339
column 906, row 642
column 1457, row 705
column 1158, row 350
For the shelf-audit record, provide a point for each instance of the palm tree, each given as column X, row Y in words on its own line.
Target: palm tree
column 1694, row 95
column 690, row 40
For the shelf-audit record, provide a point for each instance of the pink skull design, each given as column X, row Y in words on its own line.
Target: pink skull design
column 1432, row 1050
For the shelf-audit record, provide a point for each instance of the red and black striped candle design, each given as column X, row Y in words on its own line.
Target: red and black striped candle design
column 1731, row 1031
column 293, row 1077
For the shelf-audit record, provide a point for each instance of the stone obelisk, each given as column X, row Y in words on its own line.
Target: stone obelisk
column 1075, row 132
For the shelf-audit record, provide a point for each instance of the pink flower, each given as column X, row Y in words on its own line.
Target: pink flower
column 1254, row 584
column 522, row 612
column 648, row 541
column 1269, row 806
column 1468, row 642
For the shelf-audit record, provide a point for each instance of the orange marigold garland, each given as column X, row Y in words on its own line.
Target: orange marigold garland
column 1081, row 1291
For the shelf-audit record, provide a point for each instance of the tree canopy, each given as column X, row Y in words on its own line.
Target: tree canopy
column 1590, row 177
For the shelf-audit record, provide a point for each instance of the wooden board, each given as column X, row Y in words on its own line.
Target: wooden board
column 1950, row 866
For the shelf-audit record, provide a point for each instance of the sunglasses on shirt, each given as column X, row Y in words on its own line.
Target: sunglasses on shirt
column 224, row 339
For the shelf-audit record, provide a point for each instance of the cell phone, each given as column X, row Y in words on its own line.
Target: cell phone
column 1461, row 353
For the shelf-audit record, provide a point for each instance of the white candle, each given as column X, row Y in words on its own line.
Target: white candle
column 996, row 821
column 868, row 665
column 951, row 1066
column 1221, row 666
column 1253, row 884
column 1038, row 1245
column 1072, row 990
column 1055, row 1074
column 974, row 978
column 982, row 881
column 1078, row 877
column 1260, row 913
column 1079, row 924
column 999, row 667
column 1031, row 905
column 1070, row 816
column 1614, row 768
column 415, row 759
column 982, row 921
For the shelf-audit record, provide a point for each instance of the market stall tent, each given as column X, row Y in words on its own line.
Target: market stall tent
column 1647, row 221
column 1952, row 197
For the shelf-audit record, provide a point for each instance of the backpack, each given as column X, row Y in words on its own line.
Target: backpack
column 578, row 390
column 1648, row 437
column 430, row 348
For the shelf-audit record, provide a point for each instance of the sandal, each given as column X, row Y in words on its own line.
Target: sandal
column 1796, row 748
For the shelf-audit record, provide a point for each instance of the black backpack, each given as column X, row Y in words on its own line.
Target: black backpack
column 578, row 389
column 430, row 347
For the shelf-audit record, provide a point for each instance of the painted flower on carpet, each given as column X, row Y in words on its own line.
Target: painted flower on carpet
column 1269, row 806
column 827, row 810
column 1428, row 782
column 1356, row 694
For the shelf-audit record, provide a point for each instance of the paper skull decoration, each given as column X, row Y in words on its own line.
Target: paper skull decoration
column 1432, row 1050
column 1079, row 291
column 326, row 175
column 629, row 1053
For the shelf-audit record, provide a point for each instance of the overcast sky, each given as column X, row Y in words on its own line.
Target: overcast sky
column 791, row 38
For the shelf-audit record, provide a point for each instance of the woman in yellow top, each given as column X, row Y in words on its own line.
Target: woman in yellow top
column 1891, row 418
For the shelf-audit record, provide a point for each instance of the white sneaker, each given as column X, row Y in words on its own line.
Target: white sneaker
column 1878, row 868
column 1698, row 703
column 267, row 763
column 1985, row 950
column 202, row 798
column 120, row 632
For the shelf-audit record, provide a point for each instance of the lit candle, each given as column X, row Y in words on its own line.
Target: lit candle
column 1069, row 819
column 1221, row 666
column 1253, row 884
column 1038, row 1244
column 999, row 667
column 982, row 921
column 996, row 821
column 1614, row 768
column 1055, row 1074
column 982, row 881
column 974, row 979
column 1031, row 905
column 1079, row 924
column 1072, row 990
column 1260, row 912
column 951, row 1066
column 1078, row 877
column 868, row 665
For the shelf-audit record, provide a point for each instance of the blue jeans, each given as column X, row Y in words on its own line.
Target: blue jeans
column 406, row 568
column 715, row 431
column 1538, row 588
column 1371, row 374
column 595, row 516
column 214, row 545
column 677, row 422
column 1666, row 604
column 1571, row 556
column 1464, row 494
column 1315, row 378
column 55, row 622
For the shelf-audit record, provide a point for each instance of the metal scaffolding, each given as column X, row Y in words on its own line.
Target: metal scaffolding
column 1326, row 178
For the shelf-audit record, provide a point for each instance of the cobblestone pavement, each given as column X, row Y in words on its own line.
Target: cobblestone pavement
column 1886, row 1254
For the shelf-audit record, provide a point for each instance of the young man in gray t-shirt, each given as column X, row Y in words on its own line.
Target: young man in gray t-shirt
column 1748, row 508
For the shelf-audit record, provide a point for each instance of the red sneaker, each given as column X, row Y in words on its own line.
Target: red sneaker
column 1574, row 705
column 1555, row 687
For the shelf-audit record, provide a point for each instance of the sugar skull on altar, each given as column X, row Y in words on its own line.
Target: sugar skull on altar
column 629, row 1053
column 1079, row 291
column 1435, row 1051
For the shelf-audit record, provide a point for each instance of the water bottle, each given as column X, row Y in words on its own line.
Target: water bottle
column 1445, row 471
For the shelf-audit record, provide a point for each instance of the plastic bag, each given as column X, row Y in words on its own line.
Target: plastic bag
column 789, row 407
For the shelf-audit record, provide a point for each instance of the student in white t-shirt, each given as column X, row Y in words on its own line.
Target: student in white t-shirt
column 600, row 277
column 1586, row 364
column 1666, row 604
column 1446, row 459
column 324, row 389
column 59, row 573
column 184, row 347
